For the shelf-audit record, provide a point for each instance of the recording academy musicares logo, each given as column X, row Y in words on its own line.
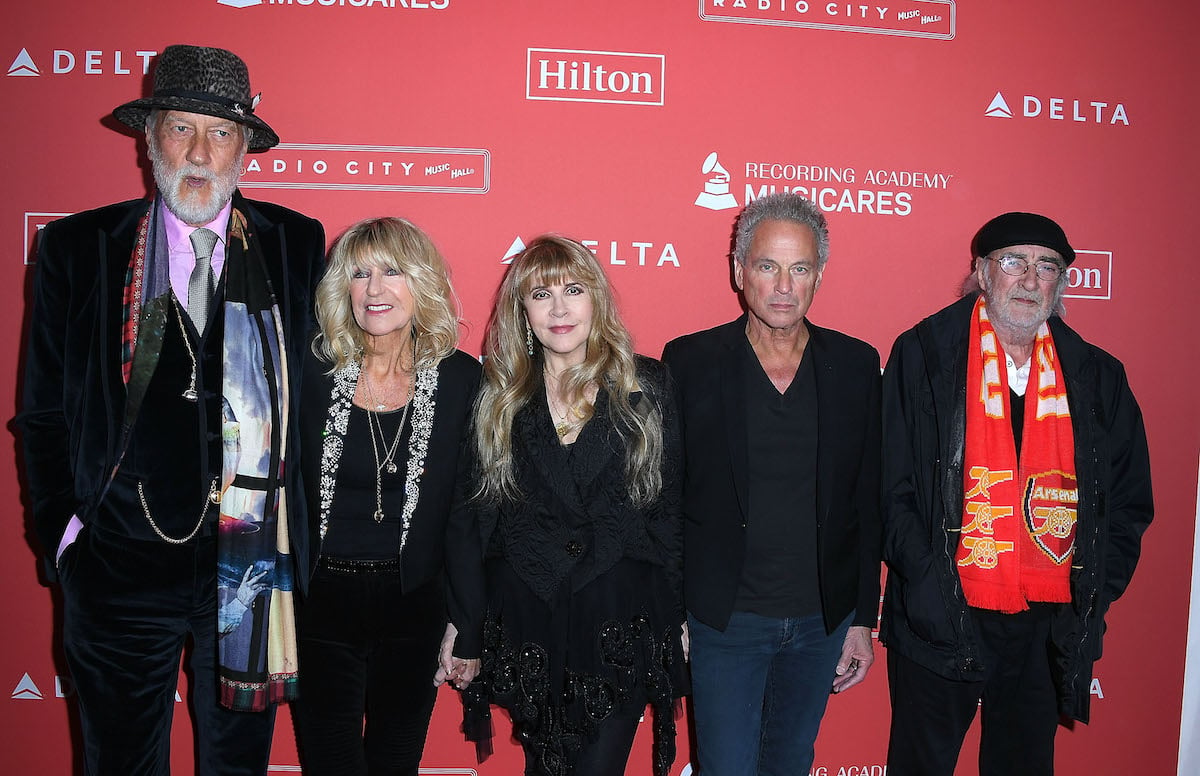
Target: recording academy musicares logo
column 86, row 62
column 617, row 253
column 1083, row 111
column 323, row 166
column 571, row 75
column 835, row 188
column 910, row 18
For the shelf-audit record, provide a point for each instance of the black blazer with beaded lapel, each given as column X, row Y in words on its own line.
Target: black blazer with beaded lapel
column 427, row 551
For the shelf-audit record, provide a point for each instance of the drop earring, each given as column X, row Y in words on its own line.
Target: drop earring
column 528, row 339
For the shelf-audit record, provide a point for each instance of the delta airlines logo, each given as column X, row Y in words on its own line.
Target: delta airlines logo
column 1083, row 111
column 910, row 18
column 570, row 75
column 27, row 689
column 320, row 166
column 617, row 253
column 87, row 62
column 23, row 65
column 835, row 188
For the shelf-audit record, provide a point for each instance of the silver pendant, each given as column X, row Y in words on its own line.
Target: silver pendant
column 190, row 394
column 391, row 467
column 378, row 515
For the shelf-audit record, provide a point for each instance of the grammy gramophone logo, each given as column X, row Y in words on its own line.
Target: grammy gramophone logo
column 715, row 195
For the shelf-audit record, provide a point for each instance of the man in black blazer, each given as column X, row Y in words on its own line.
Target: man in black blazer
column 162, row 369
column 781, row 432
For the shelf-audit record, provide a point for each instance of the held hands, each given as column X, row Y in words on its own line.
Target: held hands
column 685, row 639
column 455, row 670
column 858, row 653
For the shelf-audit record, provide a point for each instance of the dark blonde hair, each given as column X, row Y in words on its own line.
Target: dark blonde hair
column 386, row 243
column 512, row 378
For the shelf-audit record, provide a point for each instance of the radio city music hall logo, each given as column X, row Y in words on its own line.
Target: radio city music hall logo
column 320, row 166
column 1083, row 111
column 87, row 62
column 911, row 18
column 570, row 75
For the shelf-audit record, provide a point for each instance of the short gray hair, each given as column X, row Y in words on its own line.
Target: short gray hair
column 792, row 208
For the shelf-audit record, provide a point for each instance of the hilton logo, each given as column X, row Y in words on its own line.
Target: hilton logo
column 1090, row 276
column 567, row 75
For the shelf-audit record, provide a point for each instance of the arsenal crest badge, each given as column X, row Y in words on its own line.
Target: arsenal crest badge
column 1050, row 511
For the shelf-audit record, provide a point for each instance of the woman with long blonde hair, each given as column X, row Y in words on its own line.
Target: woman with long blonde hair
column 577, row 462
column 386, row 403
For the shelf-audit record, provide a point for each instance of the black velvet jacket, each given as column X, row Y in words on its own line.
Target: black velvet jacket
column 74, row 396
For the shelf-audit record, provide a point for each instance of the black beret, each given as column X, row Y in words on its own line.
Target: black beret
column 1021, row 229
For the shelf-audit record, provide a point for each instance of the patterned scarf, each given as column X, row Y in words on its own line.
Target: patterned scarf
column 257, row 645
column 1003, row 562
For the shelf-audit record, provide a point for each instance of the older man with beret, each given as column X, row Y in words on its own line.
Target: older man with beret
column 161, row 373
column 1016, row 490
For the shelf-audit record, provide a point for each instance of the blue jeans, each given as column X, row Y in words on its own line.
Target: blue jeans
column 759, row 691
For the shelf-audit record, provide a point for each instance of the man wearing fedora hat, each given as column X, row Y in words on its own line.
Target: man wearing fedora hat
column 161, row 373
column 1016, row 488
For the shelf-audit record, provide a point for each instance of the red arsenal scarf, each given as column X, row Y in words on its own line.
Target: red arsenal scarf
column 1018, row 532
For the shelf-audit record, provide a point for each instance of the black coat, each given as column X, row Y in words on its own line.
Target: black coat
column 710, row 386
column 575, row 520
column 925, row 615
column 74, row 396
column 427, row 553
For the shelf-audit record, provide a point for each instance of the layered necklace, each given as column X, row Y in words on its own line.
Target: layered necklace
column 569, row 417
column 388, row 462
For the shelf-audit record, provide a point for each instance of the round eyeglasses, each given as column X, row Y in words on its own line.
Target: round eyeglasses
column 1016, row 266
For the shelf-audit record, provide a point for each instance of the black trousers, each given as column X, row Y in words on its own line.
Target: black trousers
column 129, row 607
column 366, row 650
column 931, row 714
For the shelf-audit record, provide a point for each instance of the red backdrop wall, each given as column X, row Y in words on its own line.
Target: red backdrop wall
column 487, row 123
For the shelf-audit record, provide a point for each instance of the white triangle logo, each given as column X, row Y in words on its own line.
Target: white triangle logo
column 23, row 65
column 517, row 246
column 998, row 108
column 26, row 690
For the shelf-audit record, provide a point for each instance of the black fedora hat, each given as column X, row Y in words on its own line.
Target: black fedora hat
column 198, row 79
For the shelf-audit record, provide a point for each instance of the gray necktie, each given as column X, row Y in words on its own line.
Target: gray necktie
column 201, row 283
